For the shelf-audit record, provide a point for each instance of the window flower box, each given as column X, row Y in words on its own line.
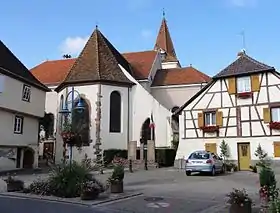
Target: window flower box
column 244, row 95
column 274, row 125
column 210, row 129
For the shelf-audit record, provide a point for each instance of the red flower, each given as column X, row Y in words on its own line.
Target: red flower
column 274, row 125
column 210, row 128
column 244, row 95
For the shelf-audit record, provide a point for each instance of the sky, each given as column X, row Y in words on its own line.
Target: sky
column 205, row 33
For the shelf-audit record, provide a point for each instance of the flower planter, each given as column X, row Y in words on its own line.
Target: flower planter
column 15, row 185
column 117, row 187
column 237, row 208
column 89, row 195
column 210, row 129
column 244, row 95
column 274, row 125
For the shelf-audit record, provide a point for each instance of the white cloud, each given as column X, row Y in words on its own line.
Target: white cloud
column 73, row 45
column 146, row 33
column 243, row 3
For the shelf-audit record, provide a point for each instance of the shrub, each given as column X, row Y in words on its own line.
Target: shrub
column 267, row 177
column 66, row 181
column 239, row 197
column 110, row 154
column 254, row 168
column 165, row 157
column 117, row 175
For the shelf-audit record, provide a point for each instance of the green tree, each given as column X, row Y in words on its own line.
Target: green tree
column 262, row 155
column 224, row 149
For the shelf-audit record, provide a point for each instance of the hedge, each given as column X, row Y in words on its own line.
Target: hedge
column 109, row 154
column 165, row 157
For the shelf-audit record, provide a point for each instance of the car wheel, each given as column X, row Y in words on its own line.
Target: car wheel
column 188, row 173
column 213, row 172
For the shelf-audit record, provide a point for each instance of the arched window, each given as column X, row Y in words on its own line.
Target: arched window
column 61, row 104
column 81, row 122
column 115, row 112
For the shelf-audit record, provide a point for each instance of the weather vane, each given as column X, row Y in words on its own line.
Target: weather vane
column 243, row 40
column 163, row 13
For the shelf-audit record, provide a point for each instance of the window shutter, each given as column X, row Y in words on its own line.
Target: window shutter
column 219, row 118
column 200, row 119
column 232, row 85
column 276, row 149
column 255, row 83
column 266, row 115
column 211, row 147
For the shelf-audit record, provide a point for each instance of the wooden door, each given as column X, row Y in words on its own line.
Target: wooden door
column 244, row 156
column 48, row 149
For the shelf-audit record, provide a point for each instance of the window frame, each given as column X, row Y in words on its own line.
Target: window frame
column 18, row 124
column 278, row 113
column 115, row 112
column 241, row 79
column 25, row 87
column 211, row 113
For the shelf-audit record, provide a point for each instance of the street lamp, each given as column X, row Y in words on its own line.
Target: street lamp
column 65, row 111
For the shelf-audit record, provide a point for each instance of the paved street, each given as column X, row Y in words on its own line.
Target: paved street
column 167, row 190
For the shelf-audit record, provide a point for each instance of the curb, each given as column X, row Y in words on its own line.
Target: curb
column 60, row 200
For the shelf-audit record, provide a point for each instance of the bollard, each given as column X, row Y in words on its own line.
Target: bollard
column 146, row 166
column 130, row 166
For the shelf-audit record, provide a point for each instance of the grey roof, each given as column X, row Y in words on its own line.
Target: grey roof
column 242, row 65
column 10, row 65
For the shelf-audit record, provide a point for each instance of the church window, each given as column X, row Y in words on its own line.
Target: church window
column 61, row 104
column 275, row 112
column 244, row 84
column 115, row 112
column 210, row 118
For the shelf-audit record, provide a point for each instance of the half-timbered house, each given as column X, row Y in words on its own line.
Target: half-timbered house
column 241, row 106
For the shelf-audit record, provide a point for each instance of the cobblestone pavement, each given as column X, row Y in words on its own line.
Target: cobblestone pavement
column 170, row 190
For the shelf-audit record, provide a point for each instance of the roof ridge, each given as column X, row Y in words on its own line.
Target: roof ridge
column 256, row 61
column 97, row 54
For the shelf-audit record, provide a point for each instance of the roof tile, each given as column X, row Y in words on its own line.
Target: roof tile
column 242, row 65
column 180, row 76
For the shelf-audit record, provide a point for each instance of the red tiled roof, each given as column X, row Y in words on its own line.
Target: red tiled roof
column 141, row 63
column 179, row 76
column 55, row 71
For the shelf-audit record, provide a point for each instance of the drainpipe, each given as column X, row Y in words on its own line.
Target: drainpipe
column 128, row 113
column 98, row 151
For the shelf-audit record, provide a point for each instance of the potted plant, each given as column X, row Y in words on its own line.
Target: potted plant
column 116, row 179
column 90, row 190
column 239, row 201
column 13, row 184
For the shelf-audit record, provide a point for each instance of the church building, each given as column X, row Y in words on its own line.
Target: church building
column 127, row 98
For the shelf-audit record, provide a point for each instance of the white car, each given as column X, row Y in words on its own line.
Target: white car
column 204, row 162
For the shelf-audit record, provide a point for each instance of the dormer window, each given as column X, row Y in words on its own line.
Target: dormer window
column 26, row 91
column 243, row 84
column 162, row 54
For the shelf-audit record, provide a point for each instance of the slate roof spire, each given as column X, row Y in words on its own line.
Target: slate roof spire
column 98, row 62
column 164, row 41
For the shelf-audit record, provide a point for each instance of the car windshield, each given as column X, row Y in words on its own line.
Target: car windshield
column 199, row 155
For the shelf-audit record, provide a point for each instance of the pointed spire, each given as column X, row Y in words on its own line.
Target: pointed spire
column 98, row 61
column 164, row 41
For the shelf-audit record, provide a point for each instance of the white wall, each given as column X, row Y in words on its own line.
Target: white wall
column 11, row 98
column 177, row 95
column 29, row 137
column 170, row 65
column 142, row 104
column 109, row 139
column 253, row 128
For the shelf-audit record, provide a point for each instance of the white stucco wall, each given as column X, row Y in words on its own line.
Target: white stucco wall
column 142, row 105
column 177, row 95
column 29, row 137
column 253, row 128
column 11, row 98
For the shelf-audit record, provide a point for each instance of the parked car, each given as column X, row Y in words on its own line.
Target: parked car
column 204, row 162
